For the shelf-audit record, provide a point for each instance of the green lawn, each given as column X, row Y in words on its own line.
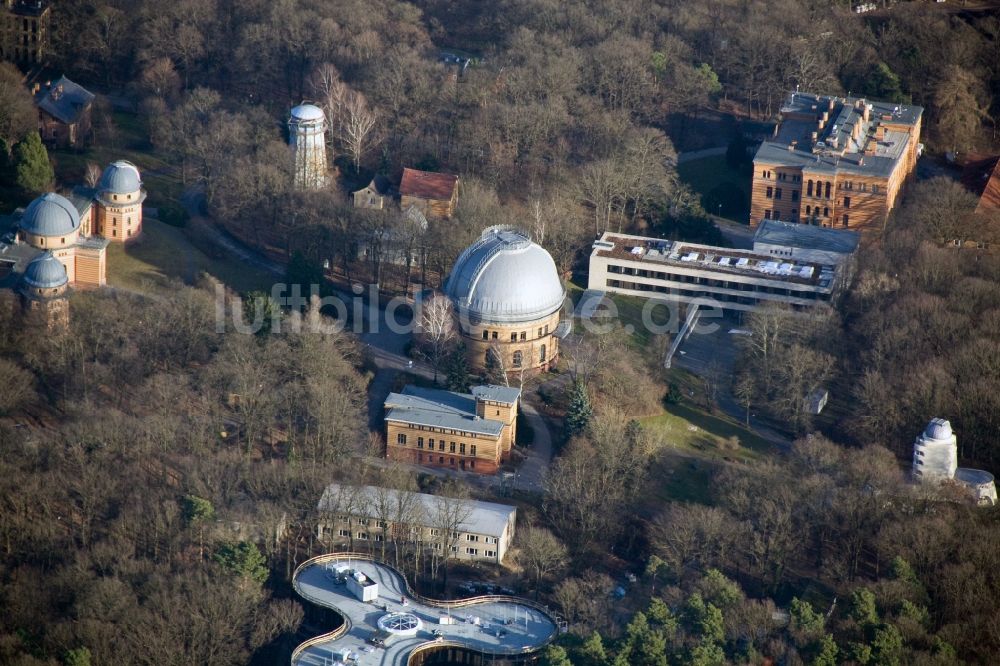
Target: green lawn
column 724, row 191
column 705, row 435
column 677, row 478
column 163, row 253
column 629, row 314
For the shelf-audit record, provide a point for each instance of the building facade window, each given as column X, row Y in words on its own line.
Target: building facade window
column 518, row 359
column 472, row 450
column 491, row 553
column 420, row 442
column 769, row 193
column 846, row 219
column 494, row 335
column 847, row 202
column 777, row 193
column 401, row 439
column 451, row 448
column 486, row 335
column 541, row 354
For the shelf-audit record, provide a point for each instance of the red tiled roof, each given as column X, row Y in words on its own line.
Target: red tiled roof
column 982, row 178
column 428, row 185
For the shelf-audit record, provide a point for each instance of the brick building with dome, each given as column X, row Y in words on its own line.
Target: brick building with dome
column 507, row 295
column 73, row 232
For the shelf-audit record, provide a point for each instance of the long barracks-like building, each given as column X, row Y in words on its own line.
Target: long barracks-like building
column 835, row 162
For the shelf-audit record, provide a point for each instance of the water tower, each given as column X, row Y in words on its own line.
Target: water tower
column 307, row 137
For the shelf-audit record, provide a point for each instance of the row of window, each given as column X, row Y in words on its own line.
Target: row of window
column 445, row 431
column 515, row 336
column 401, row 440
column 811, row 214
column 775, row 193
column 795, row 178
column 787, row 289
column 440, row 461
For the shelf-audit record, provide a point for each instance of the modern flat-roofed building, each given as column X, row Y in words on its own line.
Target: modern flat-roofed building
column 479, row 531
column 463, row 431
column 733, row 279
column 835, row 161
column 804, row 242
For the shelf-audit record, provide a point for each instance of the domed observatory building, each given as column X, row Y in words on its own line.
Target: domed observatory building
column 43, row 291
column 935, row 459
column 54, row 223
column 119, row 197
column 507, row 295
column 935, row 453
column 307, row 137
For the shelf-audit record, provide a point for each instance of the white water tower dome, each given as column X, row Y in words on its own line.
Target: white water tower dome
column 50, row 215
column 307, row 112
column 120, row 177
column 938, row 429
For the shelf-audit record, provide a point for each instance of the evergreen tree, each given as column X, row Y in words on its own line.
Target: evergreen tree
column 863, row 608
column 32, row 170
column 243, row 559
column 304, row 272
column 555, row 655
column 593, row 650
column 456, row 368
column 580, row 412
column 77, row 657
column 826, row 654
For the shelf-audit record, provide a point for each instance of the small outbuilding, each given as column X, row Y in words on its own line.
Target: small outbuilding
column 377, row 195
column 433, row 194
column 64, row 113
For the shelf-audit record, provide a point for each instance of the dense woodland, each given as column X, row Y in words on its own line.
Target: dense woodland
column 154, row 469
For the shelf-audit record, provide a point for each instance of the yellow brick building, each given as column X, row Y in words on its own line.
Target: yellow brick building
column 473, row 432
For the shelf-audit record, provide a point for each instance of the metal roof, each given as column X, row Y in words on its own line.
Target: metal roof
column 503, row 277
column 50, row 215
column 45, row 272
column 495, row 393
column 64, row 100
column 306, row 113
column 439, row 409
column 484, row 518
column 120, row 177
column 807, row 236
column 428, row 184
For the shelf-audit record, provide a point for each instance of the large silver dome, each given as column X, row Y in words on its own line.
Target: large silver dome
column 45, row 272
column 50, row 215
column 505, row 278
column 120, row 177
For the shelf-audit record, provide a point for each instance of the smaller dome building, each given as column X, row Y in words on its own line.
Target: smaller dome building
column 119, row 197
column 43, row 290
column 507, row 294
column 935, row 460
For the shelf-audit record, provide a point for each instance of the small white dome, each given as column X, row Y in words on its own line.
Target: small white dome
column 307, row 112
column 938, row 429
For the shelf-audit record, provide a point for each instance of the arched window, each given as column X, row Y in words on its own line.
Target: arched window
column 518, row 359
column 810, row 187
column 541, row 355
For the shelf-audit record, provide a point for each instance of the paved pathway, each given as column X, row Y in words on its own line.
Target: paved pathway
column 698, row 154
column 495, row 625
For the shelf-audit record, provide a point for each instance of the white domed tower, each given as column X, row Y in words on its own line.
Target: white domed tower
column 307, row 137
column 119, row 202
column 935, row 453
column 43, row 291
column 507, row 292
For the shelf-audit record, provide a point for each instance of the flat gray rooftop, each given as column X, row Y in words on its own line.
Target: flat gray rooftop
column 504, row 627
column 487, row 518
column 807, row 236
column 439, row 409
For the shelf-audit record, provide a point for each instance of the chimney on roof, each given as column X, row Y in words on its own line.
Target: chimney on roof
column 821, row 124
column 880, row 132
column 35, row 88
column 866, row 112
column 815, row 136
column 826, row 116
column 792, row 144
column 830, row 103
